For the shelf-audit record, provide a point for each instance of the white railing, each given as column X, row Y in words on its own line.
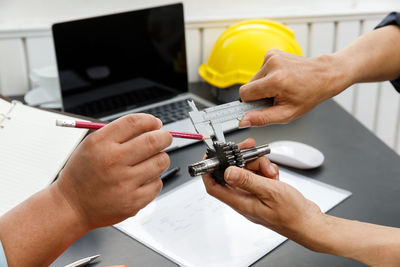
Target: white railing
column 376, row 105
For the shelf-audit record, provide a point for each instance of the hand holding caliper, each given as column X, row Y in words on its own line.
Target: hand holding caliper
column 220, row 154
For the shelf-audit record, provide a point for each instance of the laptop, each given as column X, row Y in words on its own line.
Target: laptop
column 129, row 62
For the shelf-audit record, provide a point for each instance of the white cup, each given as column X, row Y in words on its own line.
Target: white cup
column 46, row 79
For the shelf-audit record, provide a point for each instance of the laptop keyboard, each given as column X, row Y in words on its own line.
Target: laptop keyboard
column 172, row 112
column 113, row 104
column 166, row 113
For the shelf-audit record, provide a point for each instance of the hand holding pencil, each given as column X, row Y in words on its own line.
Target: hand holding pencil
column 98, row 125
column 116, row 171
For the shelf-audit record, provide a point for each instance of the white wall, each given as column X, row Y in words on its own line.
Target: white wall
column 43, row 12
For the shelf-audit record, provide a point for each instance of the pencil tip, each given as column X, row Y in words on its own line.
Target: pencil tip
column 206, row 137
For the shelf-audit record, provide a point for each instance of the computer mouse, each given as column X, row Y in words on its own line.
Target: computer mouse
column 295, row 154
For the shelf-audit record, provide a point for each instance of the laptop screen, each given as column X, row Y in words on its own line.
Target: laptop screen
column 113, row 63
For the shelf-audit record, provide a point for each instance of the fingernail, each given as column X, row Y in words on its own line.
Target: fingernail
column 244, row 123
column 231, row 175
column 160, row 122
column 272, row 170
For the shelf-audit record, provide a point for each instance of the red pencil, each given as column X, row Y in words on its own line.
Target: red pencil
column 98, row 125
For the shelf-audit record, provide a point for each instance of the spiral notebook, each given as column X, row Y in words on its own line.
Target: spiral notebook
column 32, row 150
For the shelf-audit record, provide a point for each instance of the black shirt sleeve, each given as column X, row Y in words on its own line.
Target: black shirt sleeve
column 392, row 19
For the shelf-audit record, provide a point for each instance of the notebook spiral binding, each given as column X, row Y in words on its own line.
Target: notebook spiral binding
column 6, row 116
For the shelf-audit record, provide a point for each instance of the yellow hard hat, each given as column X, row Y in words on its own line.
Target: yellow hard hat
column 239, row 52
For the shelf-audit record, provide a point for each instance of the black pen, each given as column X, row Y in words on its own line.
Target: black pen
column 169, row 173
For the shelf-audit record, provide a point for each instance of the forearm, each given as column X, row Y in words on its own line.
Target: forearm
column 370, row 244
column 38, row 230
column 374, row 56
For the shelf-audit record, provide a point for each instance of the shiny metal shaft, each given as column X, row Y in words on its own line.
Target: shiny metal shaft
column 210, row 165
column 203, row 167
column 253, row 153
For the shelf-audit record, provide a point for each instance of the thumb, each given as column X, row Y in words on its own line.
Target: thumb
column 246, row 180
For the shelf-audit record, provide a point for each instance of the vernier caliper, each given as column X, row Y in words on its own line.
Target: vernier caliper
column 209, row 121
column 221, row 154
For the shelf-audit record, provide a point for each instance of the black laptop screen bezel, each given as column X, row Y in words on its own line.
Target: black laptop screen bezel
column 100, row 57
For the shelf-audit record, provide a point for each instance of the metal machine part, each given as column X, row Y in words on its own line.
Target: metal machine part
column 223, row 156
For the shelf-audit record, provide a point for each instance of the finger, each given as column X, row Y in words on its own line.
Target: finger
column 148, row 169
column 273, row 52
column 219, row 191
column 250, row 182
column 277, row 114
column 264, row 70
column 129, row 126
column 145, row 146
column 258, row 89
column 248, row 143
column 274, row 79
column 277, row 170
column 145, row 194
column 279, row 55
column 209, row 182
column 264, row 166
column 242, row 203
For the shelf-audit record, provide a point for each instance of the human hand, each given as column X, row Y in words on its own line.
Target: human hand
column 115, row 171
column 257, row 194
column 296, row 83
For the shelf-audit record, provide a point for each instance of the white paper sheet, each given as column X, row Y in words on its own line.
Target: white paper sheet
column 192, row 228
column 32, row 151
